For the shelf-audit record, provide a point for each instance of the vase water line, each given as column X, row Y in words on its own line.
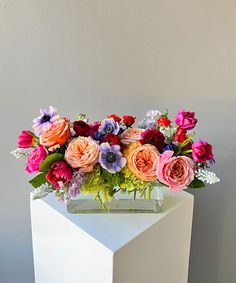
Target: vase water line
column 122, row 203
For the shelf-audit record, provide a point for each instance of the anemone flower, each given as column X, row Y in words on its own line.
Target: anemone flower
column 45, row 120
column 111, row 158
column 109, row 126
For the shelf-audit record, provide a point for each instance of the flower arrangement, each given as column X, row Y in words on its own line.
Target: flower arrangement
column 112, row 155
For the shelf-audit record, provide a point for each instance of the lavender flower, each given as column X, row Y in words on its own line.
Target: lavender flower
column 109, row 126
column 153, row 113
column 75, row 184
column 111, row 158
column 150, row 121
column 45, row 120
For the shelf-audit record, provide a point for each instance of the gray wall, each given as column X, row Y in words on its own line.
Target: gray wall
column 123, row 56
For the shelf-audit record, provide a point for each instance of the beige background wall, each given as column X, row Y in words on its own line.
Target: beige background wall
column 126, row 56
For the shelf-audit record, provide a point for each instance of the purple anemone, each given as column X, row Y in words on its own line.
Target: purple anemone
column 111, row 158
column 109, row 126
column 45, row 120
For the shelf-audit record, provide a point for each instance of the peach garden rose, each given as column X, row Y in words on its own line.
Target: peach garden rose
column 142, row 161
column 177, row 172
column 131, row 135
column 58, row 134
column 83, row 153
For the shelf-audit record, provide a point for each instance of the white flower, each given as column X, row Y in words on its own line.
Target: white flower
column 42, row 191
column 168, row 133
column 153, row 113
column 207, row 176
column 21, row 153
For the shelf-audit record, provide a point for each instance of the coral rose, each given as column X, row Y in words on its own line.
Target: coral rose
column 83, row 153
column 175, row 172
column 142, row 161
column 131, row 135
column 58, row 134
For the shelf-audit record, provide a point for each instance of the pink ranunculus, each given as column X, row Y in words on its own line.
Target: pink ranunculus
column 25, row 139
column 186, row 120
column 175, row 172
column 35, row 158
column 202, row 151
column 59, row 174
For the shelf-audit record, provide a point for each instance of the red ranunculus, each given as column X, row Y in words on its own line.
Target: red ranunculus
column 25, row 139
column 163, row 122
column 128, row 120
column 81, row 128
column 60, row 173
column 111, row 139
column 153, row 137
column 115, row 117
column 180, row 135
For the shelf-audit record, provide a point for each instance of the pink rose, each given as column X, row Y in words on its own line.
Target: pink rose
column 25, row 139
column 131, row 135
column 186, row 120
column 35, row 158
column 175, row 172
column 59, row 174
column 202, row 151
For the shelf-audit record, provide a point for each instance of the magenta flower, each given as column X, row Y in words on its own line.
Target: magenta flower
column 34, row 159
column 202, row 151
column 25, row 139
column 186, row 120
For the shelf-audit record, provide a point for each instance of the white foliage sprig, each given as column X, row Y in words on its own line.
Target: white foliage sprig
column 207, row 176
column 21, row 153
column 42, row 191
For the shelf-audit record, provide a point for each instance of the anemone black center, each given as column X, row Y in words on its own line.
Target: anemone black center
column 45, row 119
column 109, row 129
column 110, row 157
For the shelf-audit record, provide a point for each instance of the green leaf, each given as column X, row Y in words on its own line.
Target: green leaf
column 39, row 180
column 196, row 184
column 48, row 161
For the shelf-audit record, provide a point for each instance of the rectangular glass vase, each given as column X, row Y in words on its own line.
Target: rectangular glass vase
column 123, row 203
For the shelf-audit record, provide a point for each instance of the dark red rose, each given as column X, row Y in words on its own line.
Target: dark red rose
column 128, row 120
column 94, row 128
column 81, row 128
column 153, row 137
column 115, row 117
column 60, row 173
column 111, row 139
column 163, row 122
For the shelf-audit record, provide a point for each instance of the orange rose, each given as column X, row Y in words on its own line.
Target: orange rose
column 58, row 134
column 83, row 153
column 131, row 135
column 143, row 162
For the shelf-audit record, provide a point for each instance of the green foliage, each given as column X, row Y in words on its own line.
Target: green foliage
column 49, row 160
column 39, row 180
column 196, row 184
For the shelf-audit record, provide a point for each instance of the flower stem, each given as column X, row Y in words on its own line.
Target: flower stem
column 134, row 198
column 100, row 201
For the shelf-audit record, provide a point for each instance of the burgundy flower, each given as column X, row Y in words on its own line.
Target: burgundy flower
column 154, row 137
column 128, row 120
column 81, row 128
column 60, row 173
column 115, row 117
column 94, row 128
column 25, row 139
column 111, row 139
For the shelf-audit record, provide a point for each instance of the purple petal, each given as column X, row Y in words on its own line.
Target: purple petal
column 105, row 147
column 115, row 148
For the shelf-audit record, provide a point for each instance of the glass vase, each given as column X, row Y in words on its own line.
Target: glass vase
column 135, row 202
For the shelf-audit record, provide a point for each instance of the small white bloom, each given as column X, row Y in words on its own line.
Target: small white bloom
column 21, row 153
column 207, row 176
column 41, row 191
column 153, row 113
column 168, row 132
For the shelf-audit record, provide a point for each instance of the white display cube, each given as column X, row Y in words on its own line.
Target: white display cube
column 112, row 248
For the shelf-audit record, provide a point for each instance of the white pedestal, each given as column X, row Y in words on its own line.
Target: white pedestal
column 112, row 248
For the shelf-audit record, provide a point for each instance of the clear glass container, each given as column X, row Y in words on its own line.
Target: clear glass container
column 121, row 203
